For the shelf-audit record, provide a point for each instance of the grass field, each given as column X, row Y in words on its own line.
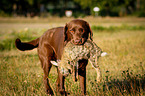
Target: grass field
column 123, row 69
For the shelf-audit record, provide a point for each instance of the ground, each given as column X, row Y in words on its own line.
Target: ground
column 123, row 69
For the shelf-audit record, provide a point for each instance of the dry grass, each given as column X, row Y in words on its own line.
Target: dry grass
column 123, row 69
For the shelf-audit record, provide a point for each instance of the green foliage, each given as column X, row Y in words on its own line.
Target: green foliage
column 116, row 28
column 114, row 7
column 84, row 3
column 107, row 7
column 31, row 2
column 79, row 15
column 3, row 14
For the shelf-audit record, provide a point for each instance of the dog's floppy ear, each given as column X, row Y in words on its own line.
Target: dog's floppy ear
column 65, row 33
column 90, row 31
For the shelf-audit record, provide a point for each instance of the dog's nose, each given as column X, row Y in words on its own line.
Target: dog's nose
column 78, row 40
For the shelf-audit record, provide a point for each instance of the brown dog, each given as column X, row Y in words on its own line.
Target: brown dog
column 50, row 47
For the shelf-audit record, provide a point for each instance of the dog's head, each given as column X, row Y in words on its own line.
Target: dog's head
column 77, row 31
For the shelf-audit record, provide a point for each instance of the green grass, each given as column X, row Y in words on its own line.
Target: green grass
column 116, row 28
column 8, row 39
column 123, row 69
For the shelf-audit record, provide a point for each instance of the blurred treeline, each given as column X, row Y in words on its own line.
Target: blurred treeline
column 44, row 8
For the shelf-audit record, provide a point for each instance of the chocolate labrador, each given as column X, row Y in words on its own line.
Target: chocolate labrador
column 50, row 47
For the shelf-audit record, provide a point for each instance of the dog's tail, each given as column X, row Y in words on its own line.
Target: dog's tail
column 26, row 45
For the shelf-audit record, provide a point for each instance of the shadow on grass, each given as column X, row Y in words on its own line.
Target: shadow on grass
column 131, row 84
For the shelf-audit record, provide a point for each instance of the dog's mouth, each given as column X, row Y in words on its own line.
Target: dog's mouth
column 78, row 41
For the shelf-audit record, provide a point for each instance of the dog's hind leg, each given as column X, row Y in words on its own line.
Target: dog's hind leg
column 60, row 83
column 45, row 56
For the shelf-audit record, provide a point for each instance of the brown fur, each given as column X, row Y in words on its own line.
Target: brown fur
column 50, row 47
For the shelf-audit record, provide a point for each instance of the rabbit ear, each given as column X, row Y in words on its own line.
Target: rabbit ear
column 54, row 63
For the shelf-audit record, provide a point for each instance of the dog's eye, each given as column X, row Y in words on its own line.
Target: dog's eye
column 72, row 31
column 82, row 30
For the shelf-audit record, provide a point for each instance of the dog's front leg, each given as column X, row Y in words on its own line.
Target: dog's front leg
column 82, row 79
column 82, row 75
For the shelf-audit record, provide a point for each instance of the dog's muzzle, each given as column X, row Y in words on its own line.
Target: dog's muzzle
column 78, row 41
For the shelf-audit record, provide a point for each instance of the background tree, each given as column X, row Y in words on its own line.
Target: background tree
column 107, row 7
column 114, row 7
